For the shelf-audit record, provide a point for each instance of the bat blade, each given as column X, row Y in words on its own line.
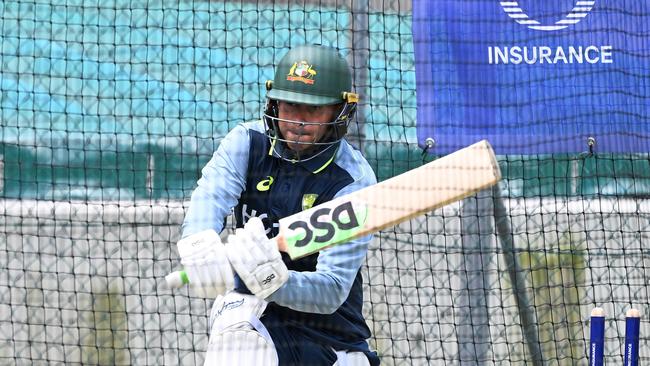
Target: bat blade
column 385, row 204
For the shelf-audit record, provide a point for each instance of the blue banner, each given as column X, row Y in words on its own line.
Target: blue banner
column 533, row 76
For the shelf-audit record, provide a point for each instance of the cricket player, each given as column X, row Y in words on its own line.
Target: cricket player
column 269, row 309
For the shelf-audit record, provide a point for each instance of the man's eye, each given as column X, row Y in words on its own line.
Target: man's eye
column 288, row 106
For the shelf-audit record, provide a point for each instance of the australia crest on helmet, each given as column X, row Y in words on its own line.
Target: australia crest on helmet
column 301, row 71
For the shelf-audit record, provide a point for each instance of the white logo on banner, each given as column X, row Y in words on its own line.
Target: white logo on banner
column 547, row 54
column 579, row 11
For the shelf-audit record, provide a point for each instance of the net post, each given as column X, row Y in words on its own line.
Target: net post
column 476, row 224
column 526, row 315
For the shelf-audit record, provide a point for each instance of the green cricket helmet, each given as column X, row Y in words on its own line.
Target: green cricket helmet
column 316, row 76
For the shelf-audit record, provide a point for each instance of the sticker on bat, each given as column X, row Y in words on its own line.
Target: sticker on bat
column 327, row 226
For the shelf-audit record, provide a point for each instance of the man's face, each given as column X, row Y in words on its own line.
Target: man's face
column 301, row 135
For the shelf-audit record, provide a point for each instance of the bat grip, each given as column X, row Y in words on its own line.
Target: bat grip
column 281, row 242
column 177, row 279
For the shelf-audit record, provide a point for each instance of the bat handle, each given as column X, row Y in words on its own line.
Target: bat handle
column 281, row 242
column 177, row 279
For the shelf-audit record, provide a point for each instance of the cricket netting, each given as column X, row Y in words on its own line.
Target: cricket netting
column 109, row 109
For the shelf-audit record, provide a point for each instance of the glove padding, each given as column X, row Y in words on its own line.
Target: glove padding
column 204, row 259
column 256, row 259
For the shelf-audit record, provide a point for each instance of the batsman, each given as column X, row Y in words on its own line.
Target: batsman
column 269, row 309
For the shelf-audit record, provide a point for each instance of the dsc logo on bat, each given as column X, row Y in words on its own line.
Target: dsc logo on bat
column 328, row 224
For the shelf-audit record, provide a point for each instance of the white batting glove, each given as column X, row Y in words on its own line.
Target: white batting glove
column 204, row 259
column 256, row 259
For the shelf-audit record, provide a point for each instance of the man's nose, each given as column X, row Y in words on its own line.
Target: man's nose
column 300, row 115
column 300, row 118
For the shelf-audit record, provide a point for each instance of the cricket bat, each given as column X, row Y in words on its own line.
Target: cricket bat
column 388, row 203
